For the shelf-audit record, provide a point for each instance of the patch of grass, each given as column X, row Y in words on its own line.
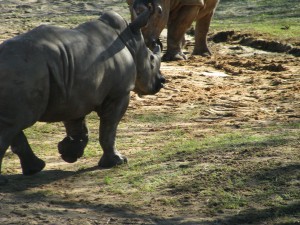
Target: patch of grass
column 231, row 171
column 254, row 170
column 280, row 18
column 153, row 118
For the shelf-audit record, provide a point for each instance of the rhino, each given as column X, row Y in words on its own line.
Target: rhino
column 54, row 74
column 178, row 16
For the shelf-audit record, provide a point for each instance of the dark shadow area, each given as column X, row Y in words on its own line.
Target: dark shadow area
column 257, row 216
column 19, row 182
column 96, row 213
column 260, row 207
column 259, row 145
column 273, row 174
column 93, row 212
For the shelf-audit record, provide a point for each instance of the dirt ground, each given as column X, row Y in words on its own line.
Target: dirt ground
column 238, row 85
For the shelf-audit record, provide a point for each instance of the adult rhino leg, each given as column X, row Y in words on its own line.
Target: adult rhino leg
column 3, row 147
column 179, row 22
column 30, row 163
column 110, row 113
column 72, row 147
column 202, row 27
column 201, row 31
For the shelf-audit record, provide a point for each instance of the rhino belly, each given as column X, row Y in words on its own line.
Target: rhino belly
column 68, row 110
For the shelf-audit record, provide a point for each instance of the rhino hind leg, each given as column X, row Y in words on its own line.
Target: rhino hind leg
column 30, row 163
column 72, row 147
column 3, row 148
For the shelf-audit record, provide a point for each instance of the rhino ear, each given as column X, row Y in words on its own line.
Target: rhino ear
column 140, row 6
column 140, row 22
column 157, row 50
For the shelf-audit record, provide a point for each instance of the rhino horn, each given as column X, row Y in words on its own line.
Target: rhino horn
column 141, row 21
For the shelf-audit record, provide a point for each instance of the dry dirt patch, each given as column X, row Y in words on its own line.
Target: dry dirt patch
column 237, row 84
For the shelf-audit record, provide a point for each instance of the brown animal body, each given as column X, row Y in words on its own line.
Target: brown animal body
column 178, row 16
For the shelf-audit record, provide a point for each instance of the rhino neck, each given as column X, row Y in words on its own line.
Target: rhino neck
column 120, row 27
column 131, row 42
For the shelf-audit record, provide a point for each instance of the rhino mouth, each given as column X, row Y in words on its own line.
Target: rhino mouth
column 159, row 84
column 162, row 82
column 156, row 87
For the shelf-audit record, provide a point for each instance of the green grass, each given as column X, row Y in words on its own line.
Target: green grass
column 230, row 171
column 280, row 18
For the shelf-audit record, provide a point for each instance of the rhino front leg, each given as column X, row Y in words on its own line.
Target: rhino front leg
column 30, row 163
column 110, row 113
column 72, row 147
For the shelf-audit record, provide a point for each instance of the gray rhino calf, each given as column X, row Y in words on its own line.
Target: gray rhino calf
column 53, row 74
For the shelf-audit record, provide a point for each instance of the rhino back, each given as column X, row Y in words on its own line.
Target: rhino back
column 94, row 64
column 81, row 66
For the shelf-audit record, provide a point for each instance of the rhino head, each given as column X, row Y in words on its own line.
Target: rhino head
column 157, row 22
column 149, row 79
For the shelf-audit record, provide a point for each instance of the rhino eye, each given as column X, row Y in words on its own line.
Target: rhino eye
column 151, row 57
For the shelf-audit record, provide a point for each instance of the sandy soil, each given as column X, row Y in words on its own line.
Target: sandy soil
column 238, row 85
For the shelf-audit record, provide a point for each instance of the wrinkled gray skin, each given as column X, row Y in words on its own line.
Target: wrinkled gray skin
column 54, row 74
column 177, row 16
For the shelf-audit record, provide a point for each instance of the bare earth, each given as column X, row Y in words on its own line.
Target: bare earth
column 237, row 86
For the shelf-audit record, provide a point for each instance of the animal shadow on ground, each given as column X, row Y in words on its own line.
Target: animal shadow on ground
column 19, row 182
column 255, row 216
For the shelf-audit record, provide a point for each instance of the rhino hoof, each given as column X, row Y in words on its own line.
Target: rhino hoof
column 69, row 159
column 35, row 167
column 3, row 180
column 204, row 53
column 72, row 148
column 111, row 161
column 173, row 57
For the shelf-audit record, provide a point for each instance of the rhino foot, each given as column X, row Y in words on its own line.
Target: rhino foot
column 173, row 57
column 108, row 161
column 202, row 52
column 33, row 166
column 72, row 148
column 3, row 180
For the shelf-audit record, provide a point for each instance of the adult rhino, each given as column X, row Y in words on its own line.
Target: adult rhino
column 54, row 74
column 178, row 15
